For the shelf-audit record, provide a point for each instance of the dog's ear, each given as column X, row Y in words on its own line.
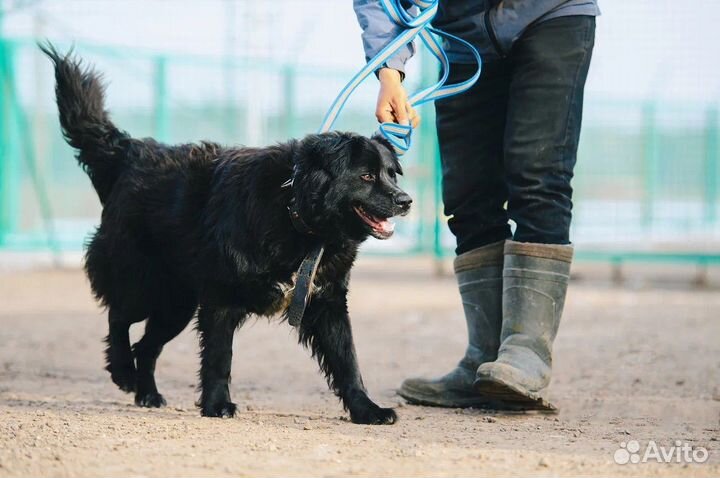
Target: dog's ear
column 319, row 159
column 383, row 142
column 330, row 152
column 324, row 157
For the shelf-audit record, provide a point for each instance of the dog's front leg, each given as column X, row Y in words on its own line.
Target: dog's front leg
column 326, row 329
column 216, row 327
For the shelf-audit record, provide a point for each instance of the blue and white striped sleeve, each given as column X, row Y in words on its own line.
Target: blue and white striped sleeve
column 378, row 31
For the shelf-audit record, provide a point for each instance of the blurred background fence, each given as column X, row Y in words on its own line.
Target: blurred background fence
column 646, row 181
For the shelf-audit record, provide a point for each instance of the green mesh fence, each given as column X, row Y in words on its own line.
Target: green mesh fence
column 646, row 181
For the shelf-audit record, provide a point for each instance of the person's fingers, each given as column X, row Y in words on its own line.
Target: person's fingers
column 400, row 112
column 415, row 121
column 384, row 114
column 413, row 116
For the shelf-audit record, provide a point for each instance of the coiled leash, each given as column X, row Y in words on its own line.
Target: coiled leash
column 416, row 22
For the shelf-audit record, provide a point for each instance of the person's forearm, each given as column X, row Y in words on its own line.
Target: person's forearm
column 390, row 75
column 378, row 31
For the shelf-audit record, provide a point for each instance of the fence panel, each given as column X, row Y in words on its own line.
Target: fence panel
column 646, row 179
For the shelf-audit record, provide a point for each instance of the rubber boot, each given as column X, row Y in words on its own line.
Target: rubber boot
column 479, row 276
column 535, row 280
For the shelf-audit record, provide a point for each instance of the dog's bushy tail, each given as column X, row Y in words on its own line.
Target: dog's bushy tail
column 85, row 124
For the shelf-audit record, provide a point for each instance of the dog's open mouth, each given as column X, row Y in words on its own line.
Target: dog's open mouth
column 381, row 228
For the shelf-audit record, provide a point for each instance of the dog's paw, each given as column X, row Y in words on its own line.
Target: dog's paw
column 374, row 415
column 150, row 400
column 219, row 410
column 124, row 378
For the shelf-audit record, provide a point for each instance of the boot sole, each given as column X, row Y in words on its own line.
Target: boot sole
column 516, row 397
column 454, row 403
column 416, row 398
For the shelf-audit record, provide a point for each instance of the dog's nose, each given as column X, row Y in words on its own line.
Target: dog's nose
column 403, row 200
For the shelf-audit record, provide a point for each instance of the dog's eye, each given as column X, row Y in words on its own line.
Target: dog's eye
column 368, row 177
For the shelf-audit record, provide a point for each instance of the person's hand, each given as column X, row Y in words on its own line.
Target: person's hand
column 392, row 104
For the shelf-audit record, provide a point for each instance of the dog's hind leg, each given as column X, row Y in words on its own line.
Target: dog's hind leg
column 118, row 354
column 326, row 329
column 217, row 327
column 162, row 326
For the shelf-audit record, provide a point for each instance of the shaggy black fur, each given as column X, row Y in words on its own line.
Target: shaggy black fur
column 201, row 227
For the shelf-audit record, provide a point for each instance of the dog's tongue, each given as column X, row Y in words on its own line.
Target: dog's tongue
column 385, row 226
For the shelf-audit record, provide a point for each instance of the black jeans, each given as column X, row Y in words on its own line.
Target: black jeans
column 513, row 138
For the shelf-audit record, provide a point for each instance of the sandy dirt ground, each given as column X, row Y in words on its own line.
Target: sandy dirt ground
column 631, row 363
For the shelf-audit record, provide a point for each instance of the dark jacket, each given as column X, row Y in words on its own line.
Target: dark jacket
column 492, row 26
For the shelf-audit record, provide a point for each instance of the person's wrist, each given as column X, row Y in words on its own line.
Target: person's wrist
column 389, row 76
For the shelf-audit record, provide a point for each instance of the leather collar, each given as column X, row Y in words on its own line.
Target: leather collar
column 295, row 218
column 297, row 221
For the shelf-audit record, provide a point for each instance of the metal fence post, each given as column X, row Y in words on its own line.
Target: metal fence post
column 9, row 153
column 5, row 199
column 438, row 202
column 161, row 111
column 428, row 190
column 712, row 157
column 650, row 163
column 429, row 198
column 4, row 143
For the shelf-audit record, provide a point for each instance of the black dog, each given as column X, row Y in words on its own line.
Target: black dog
column 201, row 227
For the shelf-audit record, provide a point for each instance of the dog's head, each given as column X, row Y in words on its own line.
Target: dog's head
column 346, row 185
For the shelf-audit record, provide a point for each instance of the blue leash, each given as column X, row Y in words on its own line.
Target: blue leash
column 416, row 22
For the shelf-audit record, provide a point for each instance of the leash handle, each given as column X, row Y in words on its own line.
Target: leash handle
column 416, row 22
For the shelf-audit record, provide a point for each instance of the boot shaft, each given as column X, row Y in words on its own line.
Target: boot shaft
column 535, row 280
column 480, row 280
